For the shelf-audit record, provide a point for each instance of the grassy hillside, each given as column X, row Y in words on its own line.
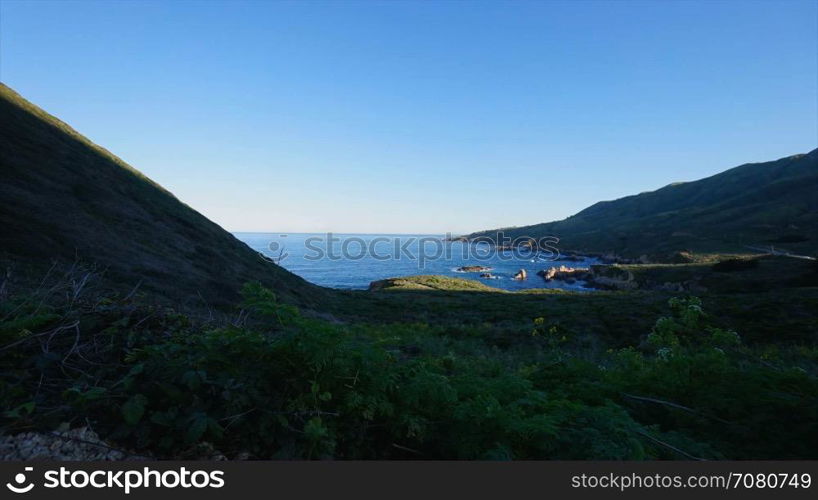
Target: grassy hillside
column 66, row 199
column 772, row 203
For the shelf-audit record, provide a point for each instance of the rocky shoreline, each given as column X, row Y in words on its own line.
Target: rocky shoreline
column 602, row 271
column 614, row 277
column 674, row 257
column 473, row 269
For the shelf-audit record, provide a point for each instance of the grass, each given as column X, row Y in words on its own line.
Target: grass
column 418, row 373
column 431, row 282
column 765, row 273
column 776, row 301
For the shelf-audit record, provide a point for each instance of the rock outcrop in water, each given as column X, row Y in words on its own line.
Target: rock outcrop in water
column 473, row 269
column 565, row 273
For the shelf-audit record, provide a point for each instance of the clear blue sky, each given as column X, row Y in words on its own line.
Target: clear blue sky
column 420, row 116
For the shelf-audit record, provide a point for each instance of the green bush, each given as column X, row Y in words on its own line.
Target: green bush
column 276, row 384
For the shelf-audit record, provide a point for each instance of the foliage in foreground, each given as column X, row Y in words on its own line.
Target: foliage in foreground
column 279, row 385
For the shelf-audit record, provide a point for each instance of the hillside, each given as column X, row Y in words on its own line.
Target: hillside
column 757, row 204
column 421, row 367
column 66, row 199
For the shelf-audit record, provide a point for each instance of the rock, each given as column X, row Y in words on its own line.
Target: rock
column 564, row 273
column 521, row 275
column 486, row 275
column 74, row 444
column 473, row 269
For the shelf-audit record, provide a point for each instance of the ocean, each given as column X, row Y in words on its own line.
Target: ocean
column 353, row 261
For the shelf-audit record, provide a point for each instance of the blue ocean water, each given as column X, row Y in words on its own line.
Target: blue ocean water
column 353, row 261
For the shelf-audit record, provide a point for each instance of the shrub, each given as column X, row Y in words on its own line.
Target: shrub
column 277, row 384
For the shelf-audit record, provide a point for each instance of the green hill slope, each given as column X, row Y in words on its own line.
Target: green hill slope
column 754, row 204
column 66, row 199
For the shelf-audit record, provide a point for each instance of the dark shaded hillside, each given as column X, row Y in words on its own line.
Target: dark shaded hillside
column 64, row 198
column 772, row 203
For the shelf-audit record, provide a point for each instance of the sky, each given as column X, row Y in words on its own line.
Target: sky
column 419, row 117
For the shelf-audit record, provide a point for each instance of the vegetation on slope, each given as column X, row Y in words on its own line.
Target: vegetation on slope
column 775, row 301
column 758, row 204
column 274, row 384
column 736, row 274
column 431, row 282
column 65, row 198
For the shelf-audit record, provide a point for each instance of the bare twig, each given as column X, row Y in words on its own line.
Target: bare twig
column 47, row 346
column 132, row 292
column 674, row 405
column 143, row 320
column 4, row 285
column 241, row 319
column 209, row 309
column 76, row 342
column 404, row 448
column 233, row 418
column 670, row 447
column 50, row 332
column 33, row 294
column 77, row 285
